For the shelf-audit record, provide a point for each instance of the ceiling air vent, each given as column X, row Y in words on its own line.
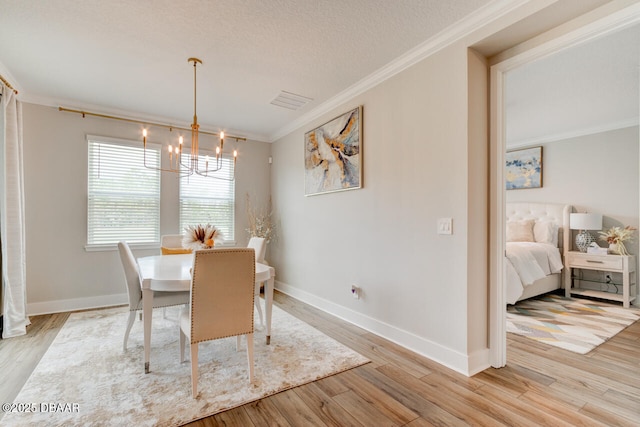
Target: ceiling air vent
column 290, row 100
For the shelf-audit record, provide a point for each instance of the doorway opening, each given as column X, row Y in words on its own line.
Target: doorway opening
column 498, row 139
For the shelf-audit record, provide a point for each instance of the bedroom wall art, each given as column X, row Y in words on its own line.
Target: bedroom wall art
column 333, row 155
column 524, row 168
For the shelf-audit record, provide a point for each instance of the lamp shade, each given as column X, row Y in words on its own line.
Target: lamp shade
column 585, row 221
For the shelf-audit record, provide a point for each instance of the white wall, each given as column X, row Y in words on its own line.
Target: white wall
column 383, row 236
column 596, row 173
column 61, row 275
column 478, row 211
column 425, row 157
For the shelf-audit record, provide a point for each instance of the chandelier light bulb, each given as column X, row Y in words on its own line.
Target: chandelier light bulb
column 144, row 133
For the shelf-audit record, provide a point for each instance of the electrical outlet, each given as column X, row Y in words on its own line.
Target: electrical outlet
column 355, row 291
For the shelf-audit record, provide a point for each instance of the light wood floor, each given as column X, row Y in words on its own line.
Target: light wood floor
column 541, row 385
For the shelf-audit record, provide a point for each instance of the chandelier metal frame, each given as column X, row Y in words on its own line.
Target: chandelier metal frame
column 192, row 166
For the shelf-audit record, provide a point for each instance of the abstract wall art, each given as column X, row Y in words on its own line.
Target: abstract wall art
column 524, row 168
column 333, row 155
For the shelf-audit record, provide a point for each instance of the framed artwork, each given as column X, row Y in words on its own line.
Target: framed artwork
column 524, row 168
column 333, row 155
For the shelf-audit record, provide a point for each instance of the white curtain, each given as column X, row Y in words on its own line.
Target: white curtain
column 12, row 226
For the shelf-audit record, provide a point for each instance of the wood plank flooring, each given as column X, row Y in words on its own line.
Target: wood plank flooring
column 541, row 385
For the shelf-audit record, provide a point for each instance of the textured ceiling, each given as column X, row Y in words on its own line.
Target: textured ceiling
column 585, row 89
column 130, row 56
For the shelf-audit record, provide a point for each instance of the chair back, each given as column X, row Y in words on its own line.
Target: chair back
column 171, row 240
column 171, row 244
column 131, row 275
column 222, row 292
column 259, row 245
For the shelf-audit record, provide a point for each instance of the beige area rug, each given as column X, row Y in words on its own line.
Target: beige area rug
column 92, row 382
column 577, row 325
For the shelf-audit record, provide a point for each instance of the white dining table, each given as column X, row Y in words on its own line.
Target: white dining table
column 172, row 273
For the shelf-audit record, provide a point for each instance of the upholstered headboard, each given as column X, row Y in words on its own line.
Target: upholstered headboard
column 555, row 212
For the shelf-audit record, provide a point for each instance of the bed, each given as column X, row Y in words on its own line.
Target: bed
column 537, row 237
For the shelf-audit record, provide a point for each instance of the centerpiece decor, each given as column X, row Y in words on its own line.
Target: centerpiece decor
column 201, row 236
column 616, row 236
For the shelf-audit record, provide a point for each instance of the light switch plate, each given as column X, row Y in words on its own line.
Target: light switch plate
column 445, row 225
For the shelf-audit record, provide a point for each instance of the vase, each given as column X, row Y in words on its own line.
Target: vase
column 613, row 249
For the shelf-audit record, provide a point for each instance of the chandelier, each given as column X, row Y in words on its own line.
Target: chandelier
column 188, row 164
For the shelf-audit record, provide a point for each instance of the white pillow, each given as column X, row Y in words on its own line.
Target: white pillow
column 520, row 231
column 546, row 232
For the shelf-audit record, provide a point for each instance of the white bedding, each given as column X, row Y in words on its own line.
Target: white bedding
column 528, row 262
column 549, row 261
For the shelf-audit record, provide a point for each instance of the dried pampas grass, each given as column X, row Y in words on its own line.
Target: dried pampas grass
column 201, row 236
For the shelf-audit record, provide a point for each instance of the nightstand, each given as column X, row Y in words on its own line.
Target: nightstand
column 624, row 264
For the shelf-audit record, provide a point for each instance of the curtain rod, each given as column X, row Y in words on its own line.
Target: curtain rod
column 7, row 84
column 142, row 122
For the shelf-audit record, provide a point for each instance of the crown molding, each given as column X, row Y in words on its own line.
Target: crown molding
column 544, row 139
column 448, row 36
column 100, row 109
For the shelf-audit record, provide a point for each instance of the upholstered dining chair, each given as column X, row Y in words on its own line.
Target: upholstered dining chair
column 222, row 292
column 171, row 244
column 259, row 245
column 132, row 277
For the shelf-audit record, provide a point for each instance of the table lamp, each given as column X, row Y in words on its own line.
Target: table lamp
column 584, row 222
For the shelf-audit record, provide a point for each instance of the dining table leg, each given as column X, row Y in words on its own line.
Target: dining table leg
column 268, row 290
column 147, row 314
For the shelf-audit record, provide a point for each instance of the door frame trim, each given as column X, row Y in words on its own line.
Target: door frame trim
column 575, row 32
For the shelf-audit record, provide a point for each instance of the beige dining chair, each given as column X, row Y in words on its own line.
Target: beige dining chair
column 259, row 245
column 132, row 277
column 171, row 244
column 222, row 292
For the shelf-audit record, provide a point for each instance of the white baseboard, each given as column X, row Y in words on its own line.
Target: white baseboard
column 60, row 306
column 478, row 361
column 465, row 364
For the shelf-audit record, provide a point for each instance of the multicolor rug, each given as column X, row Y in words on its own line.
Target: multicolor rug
column 577, row 325
column 85, row 379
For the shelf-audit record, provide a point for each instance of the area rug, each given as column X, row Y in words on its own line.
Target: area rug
column 86, row 379
column 577, row 325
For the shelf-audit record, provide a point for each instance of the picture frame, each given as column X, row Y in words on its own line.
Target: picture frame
column 333, row 155
column 523, row 168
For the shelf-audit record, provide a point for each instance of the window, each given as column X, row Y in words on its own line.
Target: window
column 123, row 195
column 206, row 200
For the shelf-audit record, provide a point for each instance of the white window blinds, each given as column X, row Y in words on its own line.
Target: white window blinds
column 205, row 200
column 123, row 195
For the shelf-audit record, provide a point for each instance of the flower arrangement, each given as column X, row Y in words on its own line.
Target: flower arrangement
column 617, row 236
column 260, row 222
column 201, row 236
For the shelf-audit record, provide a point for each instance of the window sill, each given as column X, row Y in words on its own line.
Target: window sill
column 114, row 247
column 145, row 246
